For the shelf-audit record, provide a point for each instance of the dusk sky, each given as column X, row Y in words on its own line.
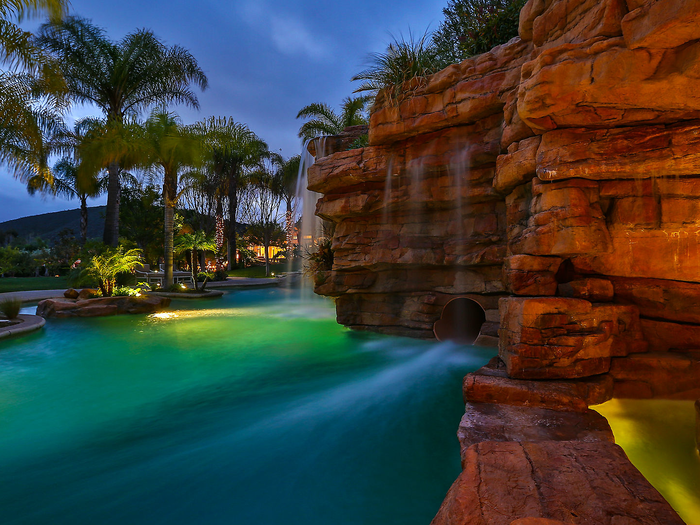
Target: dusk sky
column 265, row 60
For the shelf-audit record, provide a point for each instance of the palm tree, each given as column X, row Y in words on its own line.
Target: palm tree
column 121, row 78
column 23, row 122
column 105, row 267
column 192, row 242
column 170, row 146
column 229, row 148
column 285, row 185
column 405, row 59
column 325, row 121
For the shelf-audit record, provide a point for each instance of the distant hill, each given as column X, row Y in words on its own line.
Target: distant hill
column 49, row 225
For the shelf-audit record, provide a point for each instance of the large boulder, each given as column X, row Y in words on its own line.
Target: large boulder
column 100, row 307
column 557, row 338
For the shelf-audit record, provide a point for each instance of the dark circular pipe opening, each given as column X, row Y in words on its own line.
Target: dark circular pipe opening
column 461, row 321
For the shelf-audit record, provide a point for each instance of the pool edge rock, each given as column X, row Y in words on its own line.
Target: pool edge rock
column 101, row 307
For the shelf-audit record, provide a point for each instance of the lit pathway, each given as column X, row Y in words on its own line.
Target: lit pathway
column 32, row 295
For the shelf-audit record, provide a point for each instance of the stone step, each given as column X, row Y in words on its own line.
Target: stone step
column 491, row 384
column 666, row 375
column 569, row 481
column 490, row 422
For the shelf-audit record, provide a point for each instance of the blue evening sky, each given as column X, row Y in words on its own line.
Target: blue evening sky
column 265, row 60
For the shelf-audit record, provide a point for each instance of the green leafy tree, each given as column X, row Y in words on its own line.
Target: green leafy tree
column 472, row 27
column 123, row 79
column 324, row 121
column 141, row 216
column 194, row 242
column 229, row 148
column 105, row 267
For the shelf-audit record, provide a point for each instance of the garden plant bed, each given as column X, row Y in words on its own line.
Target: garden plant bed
column 101, row 306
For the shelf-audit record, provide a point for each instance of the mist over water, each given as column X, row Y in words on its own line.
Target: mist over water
column 257, row 408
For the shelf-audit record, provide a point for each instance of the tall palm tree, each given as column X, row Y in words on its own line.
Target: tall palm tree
column 121, row 78
column 325, row 121
column 284, row 184
column 229, row 148
column 170, row 147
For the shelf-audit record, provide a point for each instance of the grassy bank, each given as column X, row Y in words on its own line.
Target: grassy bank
column 22, row 284
column 259, row 271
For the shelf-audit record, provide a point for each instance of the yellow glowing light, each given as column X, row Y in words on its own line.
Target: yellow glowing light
column 165, row 315
column 273, row 274
column 138, row 294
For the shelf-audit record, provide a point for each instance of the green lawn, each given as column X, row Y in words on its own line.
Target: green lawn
column 21, row 284
column 259, row 271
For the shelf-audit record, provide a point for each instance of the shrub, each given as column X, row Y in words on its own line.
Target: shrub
column 205, row 275
column 10, row 308
column 360, row 142
column 105, row 267
column 219, row 275
column 404, row 60
column 472, row 27
column 321, row 258
column 125, row 291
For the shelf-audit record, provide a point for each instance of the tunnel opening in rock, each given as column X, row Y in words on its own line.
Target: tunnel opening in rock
column 461, row 321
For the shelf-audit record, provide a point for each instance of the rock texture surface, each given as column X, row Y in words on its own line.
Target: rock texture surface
column 506, row 481
column 101, row 307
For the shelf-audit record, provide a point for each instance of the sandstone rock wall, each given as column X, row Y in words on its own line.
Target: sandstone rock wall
column 555, row 180
column 559, row 173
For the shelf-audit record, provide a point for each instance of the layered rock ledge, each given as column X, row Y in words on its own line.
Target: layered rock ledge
column 100, row 307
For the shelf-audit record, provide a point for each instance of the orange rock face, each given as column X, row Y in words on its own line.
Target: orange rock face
column 555, row 338
column 560, row 174
column 508, row 481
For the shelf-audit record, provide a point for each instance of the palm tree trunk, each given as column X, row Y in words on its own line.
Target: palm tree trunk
column 169, row 192
column 193, row 268
column 111, row 232
column 232, row 207
column 83, row 219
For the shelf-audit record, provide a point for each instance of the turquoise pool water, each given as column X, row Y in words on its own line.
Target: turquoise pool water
column 253, row 409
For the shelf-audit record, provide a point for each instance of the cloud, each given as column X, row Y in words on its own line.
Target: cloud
column 289, row 34
column 292, row 38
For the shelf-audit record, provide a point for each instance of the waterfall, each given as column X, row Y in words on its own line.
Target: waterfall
column 311, row 225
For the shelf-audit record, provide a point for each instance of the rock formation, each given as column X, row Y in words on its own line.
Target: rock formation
column 555, row 181
column 101, row 307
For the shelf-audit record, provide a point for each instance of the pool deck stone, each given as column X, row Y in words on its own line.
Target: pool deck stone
column 30, row 323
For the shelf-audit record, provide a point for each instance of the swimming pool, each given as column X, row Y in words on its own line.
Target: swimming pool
column 253, row 409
